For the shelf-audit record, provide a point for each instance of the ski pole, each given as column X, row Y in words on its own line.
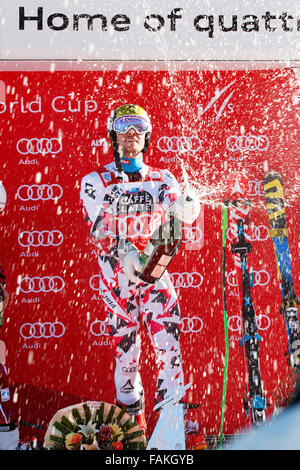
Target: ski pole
column 225, row 374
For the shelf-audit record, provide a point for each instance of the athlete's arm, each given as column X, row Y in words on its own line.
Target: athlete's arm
column 169, row 190
column 96, row 209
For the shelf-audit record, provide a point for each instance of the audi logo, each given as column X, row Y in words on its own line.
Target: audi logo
column 39, row 192
column 35, row 146
column 41, row 284
column 256, row 188
column 142, row 226
column 43, row 238
column 235, row 322
column 258, row 233
column 130, row 370
column 192, row 234
column 186, row 279
column 99, row 328
column 188, row 325
column 138, row 225
column 42, row 330
column 179, row 144
column 260, row 278
column 94, row 282
column 191, row 325
column 251, row 142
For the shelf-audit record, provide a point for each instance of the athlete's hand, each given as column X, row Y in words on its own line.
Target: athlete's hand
column 186, row 207
column 131, row 260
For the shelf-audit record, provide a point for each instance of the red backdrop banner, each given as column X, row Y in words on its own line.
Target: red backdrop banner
column 207, row 124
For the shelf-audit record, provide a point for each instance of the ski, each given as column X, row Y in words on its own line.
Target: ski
column 173, row 398
column 169, row 432
column 275, row 203
column 251, row 338
column 224, row 226
column 239, row 224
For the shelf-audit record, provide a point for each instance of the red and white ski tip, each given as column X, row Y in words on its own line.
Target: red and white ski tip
column 237, row 185
column 173, row 398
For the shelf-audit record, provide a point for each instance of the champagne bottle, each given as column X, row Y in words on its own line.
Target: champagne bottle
column 160, row 250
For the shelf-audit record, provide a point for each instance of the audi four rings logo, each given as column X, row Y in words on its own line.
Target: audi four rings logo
column 99, row 328
column 38, row 192
column 179, row 144
column 42, row 330
column 192, row 234
column 186, row 279
column 41, row 284
column 251, row 142
column 260, row 278
column 191, row 325
column 130, row 370
column 188, row 325
column 140, row 225
column 259, row 233
column 43, row 238
column 235, row 322
column 35, row 146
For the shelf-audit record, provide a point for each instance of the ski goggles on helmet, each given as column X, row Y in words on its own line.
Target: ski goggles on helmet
column 124, row 123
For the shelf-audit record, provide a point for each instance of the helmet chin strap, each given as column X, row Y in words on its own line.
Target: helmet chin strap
column 117, row 159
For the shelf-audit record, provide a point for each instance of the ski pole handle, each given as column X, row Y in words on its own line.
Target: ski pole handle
column 224, row 223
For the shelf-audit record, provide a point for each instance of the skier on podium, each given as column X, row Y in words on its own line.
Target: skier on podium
column 123, row 203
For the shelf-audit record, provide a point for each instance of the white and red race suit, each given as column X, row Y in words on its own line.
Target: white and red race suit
column 133, row 205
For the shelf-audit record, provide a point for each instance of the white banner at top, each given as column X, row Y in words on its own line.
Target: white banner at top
column 147, row 30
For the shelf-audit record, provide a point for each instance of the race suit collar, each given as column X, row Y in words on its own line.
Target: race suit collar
column 124, row 176
column 132, row 165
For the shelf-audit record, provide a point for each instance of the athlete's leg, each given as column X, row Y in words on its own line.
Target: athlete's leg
column 123, row 317
column 161, row 316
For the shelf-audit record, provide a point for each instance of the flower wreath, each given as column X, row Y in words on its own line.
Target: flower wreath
column 93, row 426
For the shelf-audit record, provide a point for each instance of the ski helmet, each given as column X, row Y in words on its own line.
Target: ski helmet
column 118, row 122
